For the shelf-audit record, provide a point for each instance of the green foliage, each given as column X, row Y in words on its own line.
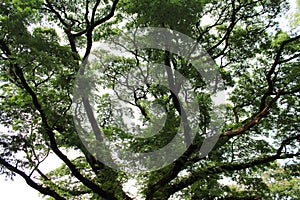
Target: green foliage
column 175, row 14
column 44, row 43
column 295, row 18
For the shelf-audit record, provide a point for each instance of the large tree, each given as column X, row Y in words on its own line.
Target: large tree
column 44, row 45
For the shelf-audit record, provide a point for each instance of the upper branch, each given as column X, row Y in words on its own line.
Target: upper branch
column 276, row 62
column 100, row 21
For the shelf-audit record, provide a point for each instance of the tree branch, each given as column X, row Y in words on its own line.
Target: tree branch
column 272, row 70
column 100, row 21
column 255, row 119
column 53, row 143
column 30, row 182
column 196, row 175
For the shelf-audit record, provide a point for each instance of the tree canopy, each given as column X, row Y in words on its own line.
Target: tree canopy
column 44, row 48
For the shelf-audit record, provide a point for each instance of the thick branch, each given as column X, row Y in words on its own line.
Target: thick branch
column 197, row 175
column 177, row 104
column 70, row 191
column 53, row 143
column 255, row 119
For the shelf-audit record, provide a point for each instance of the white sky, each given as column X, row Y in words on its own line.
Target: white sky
column 18, row 189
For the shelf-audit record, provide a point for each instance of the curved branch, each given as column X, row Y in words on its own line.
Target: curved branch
column 30, row 182
column 96, row 188
column 255, row 119
column 196, row 175
column 100, row 21
column 273, row 67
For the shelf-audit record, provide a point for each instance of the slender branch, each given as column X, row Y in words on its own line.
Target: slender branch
column 52, row 9
column 94, row 11
column 86, row 15
column 279, row 52
column 100, row 21
column 272, row 69
column 289, row 59
column 292, row 91
column 30, row 182
column 233, row 22
column 67, row 28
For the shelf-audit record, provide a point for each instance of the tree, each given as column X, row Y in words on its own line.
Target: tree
column 41, row 46
column 295, row 15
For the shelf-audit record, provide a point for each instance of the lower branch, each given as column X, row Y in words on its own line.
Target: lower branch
column 197, row 175
column 30, row 182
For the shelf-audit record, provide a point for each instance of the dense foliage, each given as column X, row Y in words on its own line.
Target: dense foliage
column 43, row 44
